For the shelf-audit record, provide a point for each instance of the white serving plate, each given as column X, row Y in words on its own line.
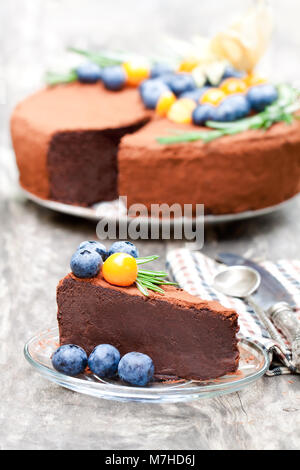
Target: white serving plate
column 114, row 211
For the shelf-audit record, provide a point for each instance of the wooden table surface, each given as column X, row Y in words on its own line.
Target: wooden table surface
column 36, row 245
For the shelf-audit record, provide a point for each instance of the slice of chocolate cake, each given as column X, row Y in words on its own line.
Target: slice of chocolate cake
column 185, row 336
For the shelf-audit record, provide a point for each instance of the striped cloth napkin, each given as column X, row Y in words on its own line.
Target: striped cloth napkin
column 194, row 272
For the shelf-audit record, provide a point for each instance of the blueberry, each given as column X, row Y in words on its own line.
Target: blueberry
column 167, row 78
column 69, row 359
column 104, row 360
column 94, row 245
column 114, row 77
column 123, row 247
column 136, row 368
column 231, row 72
column 159, row 69
column 195, row 94
column 151, row 90
column 86, row 263
column 179, row 83
column 203, row 113
column 89, row 73
column 261, row 96
column 234, row 107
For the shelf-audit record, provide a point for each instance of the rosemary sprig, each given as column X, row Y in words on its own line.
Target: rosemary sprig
column 146, row 259
column 149, row 273
column 103, row 58
column 147, row 279
column 142, row 289
column 106, row 57
column 280, row 111
column 53, row 78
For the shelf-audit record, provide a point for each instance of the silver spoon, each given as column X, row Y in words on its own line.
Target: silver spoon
column 242, row 282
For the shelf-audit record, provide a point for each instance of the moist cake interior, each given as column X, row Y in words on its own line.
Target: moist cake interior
column 85, row 163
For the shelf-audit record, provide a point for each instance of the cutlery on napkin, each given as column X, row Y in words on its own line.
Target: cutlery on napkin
column 275, row 301
column 194, row 272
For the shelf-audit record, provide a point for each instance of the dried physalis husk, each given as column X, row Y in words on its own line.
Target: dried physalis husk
column 246, row 40
column 212, row 71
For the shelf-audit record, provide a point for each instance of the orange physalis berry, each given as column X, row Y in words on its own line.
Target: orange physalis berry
column 120, row 269
column 188, row 103
column 213, row 96
column 137, row 71
column 231, row 86
column 181, row 111
column 253, row 80
column 188, row 65
column 166, row 100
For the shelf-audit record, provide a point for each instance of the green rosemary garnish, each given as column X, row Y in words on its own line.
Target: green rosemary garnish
column 280, row 111
column 103, row 58
column 151, row 279
column 53, row 78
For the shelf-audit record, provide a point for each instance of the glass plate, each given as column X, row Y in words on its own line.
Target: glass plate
column 113, row 211
column 254, row 363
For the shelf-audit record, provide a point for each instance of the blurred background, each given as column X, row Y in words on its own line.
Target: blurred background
column 35, row 33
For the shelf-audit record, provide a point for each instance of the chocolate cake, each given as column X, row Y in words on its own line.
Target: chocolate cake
column 81, row 144
column 185, row 336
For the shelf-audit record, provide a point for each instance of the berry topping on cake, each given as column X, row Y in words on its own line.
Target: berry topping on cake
column 94, row 245
column 136, row 70
column 89, row 73
column 69, row 359
column 181, row 111
column 151, row 90
column 233, row 85
column 114, row 77
column 164, row 103
column 104, row 360
column 195, row 94
column 213, row 96
column 205, row 78
column 253, row 79
column 160, row 68
column 189, row 64
column 262, row 96
column 232, row 108
column 86, row 263
column 120, row 269
column 232, row 72
column 124, row 247
column 136, row 368
column 203, row 113
column 181, row 82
